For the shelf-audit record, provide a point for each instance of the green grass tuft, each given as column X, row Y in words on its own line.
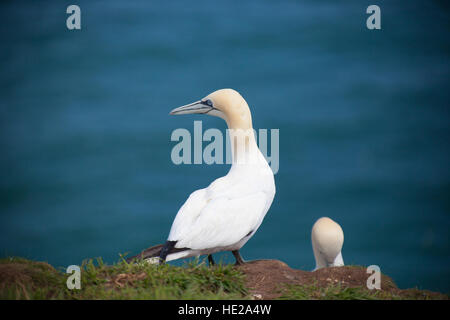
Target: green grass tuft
column 337, row 292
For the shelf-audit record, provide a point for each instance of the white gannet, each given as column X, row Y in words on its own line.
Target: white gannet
column 226, row 214
column 327, row 239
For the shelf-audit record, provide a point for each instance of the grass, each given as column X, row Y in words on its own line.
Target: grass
column 332, row 292
column 24, row 279
column 336, row 292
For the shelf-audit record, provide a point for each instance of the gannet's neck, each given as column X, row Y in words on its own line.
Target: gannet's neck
column 244, row 148
column 321, row 262
column 238, row 117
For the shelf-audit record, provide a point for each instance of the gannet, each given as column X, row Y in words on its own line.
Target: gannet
column 227, row 213
column 327, row 239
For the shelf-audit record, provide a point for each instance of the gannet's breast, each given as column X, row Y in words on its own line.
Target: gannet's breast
column 226, row 213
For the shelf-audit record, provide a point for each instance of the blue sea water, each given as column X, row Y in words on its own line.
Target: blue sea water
column 85, row 167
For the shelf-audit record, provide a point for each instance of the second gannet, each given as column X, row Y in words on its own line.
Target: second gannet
column 327, row 239
column 226, row 214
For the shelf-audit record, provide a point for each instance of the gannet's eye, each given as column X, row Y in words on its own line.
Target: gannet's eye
column 209, row 103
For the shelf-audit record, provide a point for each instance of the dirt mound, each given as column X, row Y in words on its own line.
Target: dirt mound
column 23, row 276
column 268, row 278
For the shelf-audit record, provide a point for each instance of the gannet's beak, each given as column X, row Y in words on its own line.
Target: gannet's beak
column 196, row 107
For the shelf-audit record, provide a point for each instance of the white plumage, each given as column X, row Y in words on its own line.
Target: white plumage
column 223, row 216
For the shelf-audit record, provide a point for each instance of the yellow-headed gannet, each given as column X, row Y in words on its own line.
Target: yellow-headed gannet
column 327, row 239
column 226, row 214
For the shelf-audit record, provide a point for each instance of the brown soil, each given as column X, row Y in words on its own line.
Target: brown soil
column 267, row 279
column 24, row 276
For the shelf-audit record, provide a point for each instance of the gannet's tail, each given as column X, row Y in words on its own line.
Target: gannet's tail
column 161, row 252
column 151, row 252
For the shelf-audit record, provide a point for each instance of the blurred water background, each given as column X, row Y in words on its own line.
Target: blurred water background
column 363, row 116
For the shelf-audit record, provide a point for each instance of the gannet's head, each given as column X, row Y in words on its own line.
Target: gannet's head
column 327, row 239
column 227, row 104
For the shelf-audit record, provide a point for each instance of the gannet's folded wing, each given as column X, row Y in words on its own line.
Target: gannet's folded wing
column 188, row 213
column 222, row 221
